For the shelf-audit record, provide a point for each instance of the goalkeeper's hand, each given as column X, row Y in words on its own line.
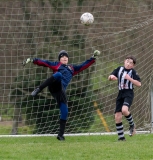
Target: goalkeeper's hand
column 27, row 61
column 96, row 54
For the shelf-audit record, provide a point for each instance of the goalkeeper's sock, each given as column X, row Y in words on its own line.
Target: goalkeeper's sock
column 61, row 130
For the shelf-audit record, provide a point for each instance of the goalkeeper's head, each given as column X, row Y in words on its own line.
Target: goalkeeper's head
column 62, row 53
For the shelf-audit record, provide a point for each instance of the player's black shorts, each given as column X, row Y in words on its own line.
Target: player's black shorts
column 125, row 97
column 57, row 91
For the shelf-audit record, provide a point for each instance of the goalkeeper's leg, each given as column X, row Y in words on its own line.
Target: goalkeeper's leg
column 63, row 119
column 53, row 82
column 61, row 99
column 62, row 102
column 60, row 135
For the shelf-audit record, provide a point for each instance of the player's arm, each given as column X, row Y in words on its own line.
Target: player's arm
column 44, row 63
column 86, row 64
column 113, row 76
column 135, row 80
column 40, row 62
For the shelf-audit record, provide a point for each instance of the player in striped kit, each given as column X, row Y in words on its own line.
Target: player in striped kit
column 127, row 77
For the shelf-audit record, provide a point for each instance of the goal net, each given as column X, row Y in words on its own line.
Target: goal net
column 41, row 29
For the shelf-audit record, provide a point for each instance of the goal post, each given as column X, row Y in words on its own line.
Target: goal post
column 41, row 29
column 151, row 107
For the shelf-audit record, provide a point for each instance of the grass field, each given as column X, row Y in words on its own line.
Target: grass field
column 106, row 147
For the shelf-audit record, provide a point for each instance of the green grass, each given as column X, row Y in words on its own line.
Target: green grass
column 139, row 147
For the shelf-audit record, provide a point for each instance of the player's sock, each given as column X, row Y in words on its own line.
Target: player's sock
column 132, row 125
column 61, row 130
column 130, row 119
column 62, row 127
column 120, row 131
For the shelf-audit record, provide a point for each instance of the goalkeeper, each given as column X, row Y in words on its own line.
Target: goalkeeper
column 58, row 82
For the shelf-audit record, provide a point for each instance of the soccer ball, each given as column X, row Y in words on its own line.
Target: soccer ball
column 87, row 18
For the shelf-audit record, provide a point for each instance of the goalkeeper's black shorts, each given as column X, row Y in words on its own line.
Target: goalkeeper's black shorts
column 57, row 91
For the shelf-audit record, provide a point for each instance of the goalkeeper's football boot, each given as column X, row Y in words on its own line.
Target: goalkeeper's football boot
column 60, row 138
column 35, row 92
column 122, row 139
column 132, row 130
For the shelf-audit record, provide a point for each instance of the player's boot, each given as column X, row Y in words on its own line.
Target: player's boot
column 35, row 92
column 122, row 139
column 60, row 138
column 132, row 130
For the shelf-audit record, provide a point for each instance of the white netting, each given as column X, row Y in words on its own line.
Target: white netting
column 43, row 28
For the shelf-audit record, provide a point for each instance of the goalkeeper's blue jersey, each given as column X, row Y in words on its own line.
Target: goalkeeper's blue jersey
column 67, row 71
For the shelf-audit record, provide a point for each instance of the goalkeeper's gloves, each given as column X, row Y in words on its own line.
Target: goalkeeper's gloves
column 27, row 61
column 96, row 54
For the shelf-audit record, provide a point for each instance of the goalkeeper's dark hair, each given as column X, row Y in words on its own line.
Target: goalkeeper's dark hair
column 131, row 57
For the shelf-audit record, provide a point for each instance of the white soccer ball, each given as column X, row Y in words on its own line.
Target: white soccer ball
column 87, row 18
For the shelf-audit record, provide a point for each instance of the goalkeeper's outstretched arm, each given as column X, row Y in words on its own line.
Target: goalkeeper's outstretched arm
column 86, row 64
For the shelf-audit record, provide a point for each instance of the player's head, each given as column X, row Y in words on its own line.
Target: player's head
column 63, row 57
column 129, row 62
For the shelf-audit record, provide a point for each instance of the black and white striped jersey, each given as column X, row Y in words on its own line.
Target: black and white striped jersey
column 120, row 73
